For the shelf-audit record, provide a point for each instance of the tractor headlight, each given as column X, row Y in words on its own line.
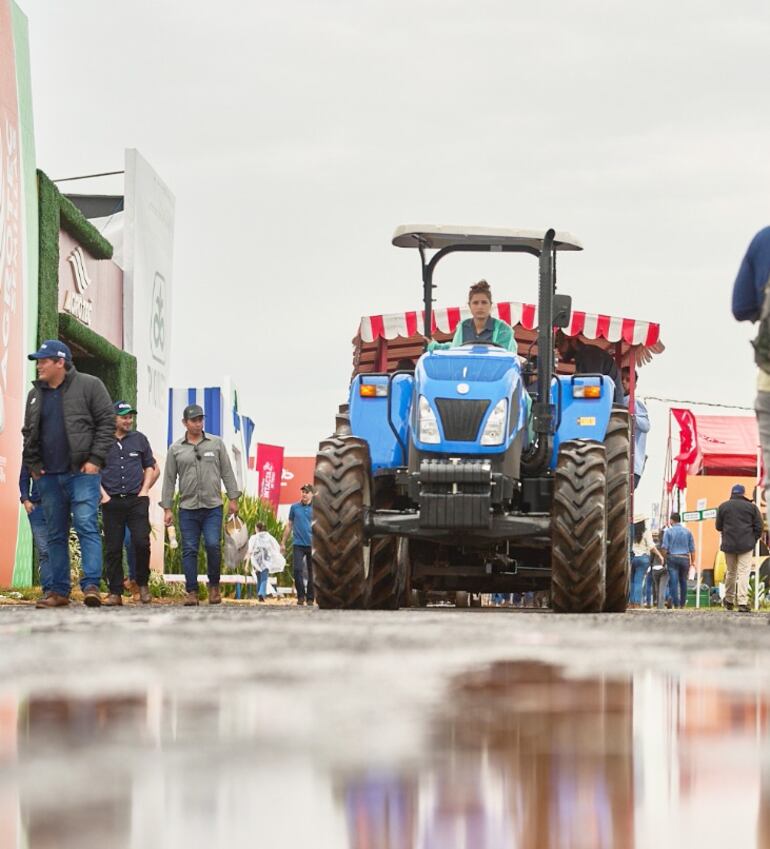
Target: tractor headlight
column 494, row 429
column 427, row 425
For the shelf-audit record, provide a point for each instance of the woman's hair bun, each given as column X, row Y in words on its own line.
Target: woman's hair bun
column 480, row 288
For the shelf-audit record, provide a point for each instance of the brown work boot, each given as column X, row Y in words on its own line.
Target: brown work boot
column 92, row 597
column 133, row 588
column 191, row 599
column 113, row 600
column 215, row 596
column 52, row 600
column 144, row 595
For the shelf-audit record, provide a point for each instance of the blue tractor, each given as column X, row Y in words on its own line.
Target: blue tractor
column 476, row 471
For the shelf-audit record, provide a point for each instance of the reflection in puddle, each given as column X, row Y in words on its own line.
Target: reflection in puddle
column 519, row 756
column 531, row 759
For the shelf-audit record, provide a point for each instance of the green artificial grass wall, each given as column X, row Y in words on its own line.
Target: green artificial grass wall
column 115, row 367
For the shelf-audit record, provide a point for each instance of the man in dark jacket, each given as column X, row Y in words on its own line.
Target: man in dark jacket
column 740, row 523
column 68, row 429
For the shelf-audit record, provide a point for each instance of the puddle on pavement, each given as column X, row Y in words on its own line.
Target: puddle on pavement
column 517, row 756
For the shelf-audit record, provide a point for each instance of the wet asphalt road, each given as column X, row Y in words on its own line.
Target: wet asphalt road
column 294, row 727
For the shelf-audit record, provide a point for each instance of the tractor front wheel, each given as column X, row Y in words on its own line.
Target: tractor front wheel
column 578, row 544
column 341, row 552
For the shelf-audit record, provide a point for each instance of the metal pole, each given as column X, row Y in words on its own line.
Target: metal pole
column 427, row 295
column 87, row 176
column 756, row 545
column 542, row 412
column 700, row 549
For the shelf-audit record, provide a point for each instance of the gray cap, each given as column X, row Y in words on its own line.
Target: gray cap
column 192, row 411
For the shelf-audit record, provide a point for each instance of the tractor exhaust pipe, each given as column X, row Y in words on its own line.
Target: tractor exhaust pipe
column 542, row 410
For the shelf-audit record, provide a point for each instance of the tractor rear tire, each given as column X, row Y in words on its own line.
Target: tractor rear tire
column 578, row 543
column 617, row 444
column 388, row 578
column 341, row 553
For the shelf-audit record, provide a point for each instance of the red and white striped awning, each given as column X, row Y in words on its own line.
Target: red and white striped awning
column 645, row 334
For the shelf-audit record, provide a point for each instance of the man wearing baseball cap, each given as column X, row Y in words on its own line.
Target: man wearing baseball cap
column 300, row 527
column 740, row 523
column 200, row 462
column 68, row 428
column 129, row 473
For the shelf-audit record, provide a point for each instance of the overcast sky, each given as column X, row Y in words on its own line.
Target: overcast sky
column 297, row 135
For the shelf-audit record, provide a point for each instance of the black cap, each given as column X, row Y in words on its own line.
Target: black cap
column 306, row 487
column 192, row 411
column 123, row 408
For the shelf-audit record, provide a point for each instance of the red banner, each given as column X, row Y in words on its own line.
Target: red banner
column 688, row 448
column 269, row 469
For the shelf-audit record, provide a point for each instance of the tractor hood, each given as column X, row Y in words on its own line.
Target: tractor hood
column 466, row 391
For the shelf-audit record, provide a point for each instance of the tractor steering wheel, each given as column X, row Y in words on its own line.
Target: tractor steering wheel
column 482, row 342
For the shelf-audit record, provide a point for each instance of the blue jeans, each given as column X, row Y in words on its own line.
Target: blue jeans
column 678, row 567
column 640, row 563
column 192, row 523
column 264, row 574
column 40, row 535
column 77, row 495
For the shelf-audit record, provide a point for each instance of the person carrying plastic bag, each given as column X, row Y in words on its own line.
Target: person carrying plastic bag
column 265, row 558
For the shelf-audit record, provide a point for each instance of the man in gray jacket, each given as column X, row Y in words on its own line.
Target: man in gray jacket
column 68, row 429
column 201, row 463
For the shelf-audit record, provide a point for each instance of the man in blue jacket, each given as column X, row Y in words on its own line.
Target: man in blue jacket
column 748, row 301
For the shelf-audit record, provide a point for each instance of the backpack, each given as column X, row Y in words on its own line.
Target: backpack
column 762, row 342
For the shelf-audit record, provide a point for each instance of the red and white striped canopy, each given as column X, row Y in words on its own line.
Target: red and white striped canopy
column 644, row 334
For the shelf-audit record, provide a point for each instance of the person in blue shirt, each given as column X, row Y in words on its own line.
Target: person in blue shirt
column 641, row 425
column 678, row 548
column 30, row 500
column 299, row 525
column 748, row 299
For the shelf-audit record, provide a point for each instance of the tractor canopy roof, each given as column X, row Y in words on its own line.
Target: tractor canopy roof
column 383, row 340
column 432, row 236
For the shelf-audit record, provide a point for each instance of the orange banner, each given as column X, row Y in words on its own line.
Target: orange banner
column 296, row 472
column 11, row 299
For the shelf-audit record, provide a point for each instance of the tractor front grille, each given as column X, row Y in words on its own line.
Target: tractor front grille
column 461, row 417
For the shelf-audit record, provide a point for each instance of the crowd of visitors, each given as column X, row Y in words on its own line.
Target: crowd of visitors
column 81, row 452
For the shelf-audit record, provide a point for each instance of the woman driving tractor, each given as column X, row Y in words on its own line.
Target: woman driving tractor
column 482, row 326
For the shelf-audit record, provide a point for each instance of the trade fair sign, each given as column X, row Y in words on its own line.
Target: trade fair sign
column 147, row 273
column 699, row 515
column 12, row 284
column 91, row 290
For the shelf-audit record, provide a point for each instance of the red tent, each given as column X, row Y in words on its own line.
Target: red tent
column 727, row 445
column 714, row 445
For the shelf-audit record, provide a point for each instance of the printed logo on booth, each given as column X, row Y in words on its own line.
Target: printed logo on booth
column 267, row 479
column 158, row 319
